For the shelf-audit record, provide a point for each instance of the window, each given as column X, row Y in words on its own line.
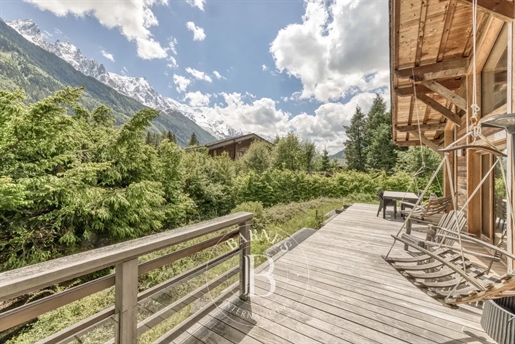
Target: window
column 494, row 78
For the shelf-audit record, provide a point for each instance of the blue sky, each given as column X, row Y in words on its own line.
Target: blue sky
column 304, row 65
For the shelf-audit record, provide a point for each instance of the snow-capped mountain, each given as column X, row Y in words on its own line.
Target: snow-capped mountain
column 137, row 88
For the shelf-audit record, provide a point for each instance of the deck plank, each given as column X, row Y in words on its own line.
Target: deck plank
column 335, row 288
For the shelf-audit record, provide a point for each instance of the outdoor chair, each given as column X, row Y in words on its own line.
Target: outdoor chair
column 382, row 205
column 429, row 213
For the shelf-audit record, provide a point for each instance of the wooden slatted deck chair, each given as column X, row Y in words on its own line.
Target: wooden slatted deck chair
column 441, row 268
column 430, row 212
column 453, row 220
column 445, row 274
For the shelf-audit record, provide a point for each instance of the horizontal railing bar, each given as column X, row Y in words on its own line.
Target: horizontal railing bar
column 66, row 335
column 177, row 280
column 156, row 318
column 188, row 274
column 34, row 277
column 174, row 256
column 174, row 332
column 34, row 309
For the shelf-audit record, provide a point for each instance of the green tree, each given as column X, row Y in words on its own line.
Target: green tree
column 380, row 151
column 309, row 153
column 288, row 153
column 193, row 140
column 171, row 137
column 325, row 163
column 257, row 158
column 355, row 145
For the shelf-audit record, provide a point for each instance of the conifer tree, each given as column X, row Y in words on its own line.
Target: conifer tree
column 193, row 140
column 325, row 161
column 355, row 145
column 380, row 151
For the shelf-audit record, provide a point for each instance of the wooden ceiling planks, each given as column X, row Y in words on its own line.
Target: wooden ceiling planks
column 429, row 32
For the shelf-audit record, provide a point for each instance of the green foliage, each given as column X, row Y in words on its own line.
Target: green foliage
column 257, row 158
column 325, row 163
column 259, row 220
column 356, row 141
column 288, row 153
column 69, row 181
column 413, row 159
column 193, row 140
column 380, row 151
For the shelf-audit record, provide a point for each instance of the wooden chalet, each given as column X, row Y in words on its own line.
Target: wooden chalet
column 432, row 69
column 235, row 147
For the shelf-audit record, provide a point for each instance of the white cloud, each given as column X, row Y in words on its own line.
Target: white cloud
column 181, row 82
column 199, row 75
column 340, row 45
column 57, row 31
column 172, row 62
column 218, row 75
column 264, row 68
column 197, row 3
column 107, row 55
column 172, row 45
column 149, row 49
column 324, row 126
column 134, row 18
column 197, row 99
column 124, row 71
column 48, row 34
column 198, row 32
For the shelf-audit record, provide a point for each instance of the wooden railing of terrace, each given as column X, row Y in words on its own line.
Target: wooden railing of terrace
column 124, row 257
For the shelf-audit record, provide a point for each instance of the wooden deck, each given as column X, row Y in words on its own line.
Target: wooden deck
column 335, row 288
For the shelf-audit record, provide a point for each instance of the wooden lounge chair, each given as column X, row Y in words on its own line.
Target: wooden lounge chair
column 443, row 273
column 429, row 213
column 453, row 220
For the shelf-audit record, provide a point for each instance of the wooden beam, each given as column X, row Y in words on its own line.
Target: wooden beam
column 446, row 93
column 485, row 43
column 421, row 30
column 410, row 116
column 451, row 84
column 448, row 68
column 501, row 9
column 423, row 127
column 440, row 108
column 427, row 142
column 448, row 179
column 446, row 29
column 406, row 143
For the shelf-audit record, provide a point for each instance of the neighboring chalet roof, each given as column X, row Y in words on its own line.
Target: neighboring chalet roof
column 431, row 43
column 225, row 142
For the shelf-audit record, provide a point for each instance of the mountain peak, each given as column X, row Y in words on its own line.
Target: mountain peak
column 137, row 88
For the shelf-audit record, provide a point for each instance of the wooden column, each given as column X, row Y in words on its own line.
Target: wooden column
column 448, row 138
column 244, row 260
column 126, row 294
column 473, row 165
column 511, row 161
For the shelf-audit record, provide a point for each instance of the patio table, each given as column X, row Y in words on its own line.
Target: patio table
column 398, row 196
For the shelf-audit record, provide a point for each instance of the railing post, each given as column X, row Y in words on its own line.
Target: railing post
column 126, row 294
column 244, row 260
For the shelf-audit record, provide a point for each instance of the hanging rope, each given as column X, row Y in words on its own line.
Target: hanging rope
column 418, row 123
column 474, row 107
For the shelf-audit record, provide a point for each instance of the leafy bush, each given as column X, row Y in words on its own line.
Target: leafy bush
column 259, row 220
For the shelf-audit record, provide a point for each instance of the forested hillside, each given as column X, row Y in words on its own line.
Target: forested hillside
column 71, row 180
column 40, row 73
